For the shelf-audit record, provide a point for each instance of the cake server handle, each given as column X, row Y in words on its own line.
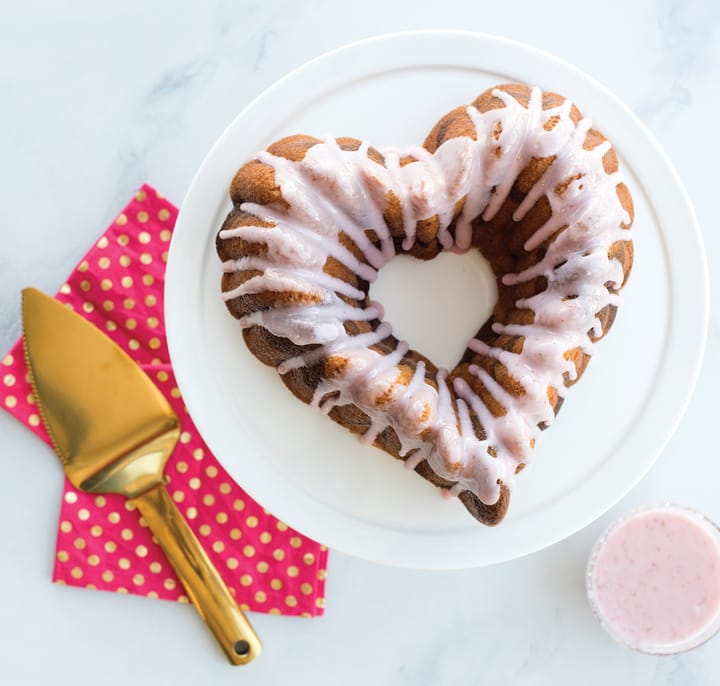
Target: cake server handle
column 201, row 580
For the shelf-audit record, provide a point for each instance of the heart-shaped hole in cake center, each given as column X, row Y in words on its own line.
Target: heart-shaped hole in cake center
column 437, row 306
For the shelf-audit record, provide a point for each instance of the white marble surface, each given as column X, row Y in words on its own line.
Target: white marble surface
column 99, row 97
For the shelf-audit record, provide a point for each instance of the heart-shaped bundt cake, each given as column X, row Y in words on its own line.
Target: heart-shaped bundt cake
column 519, row 175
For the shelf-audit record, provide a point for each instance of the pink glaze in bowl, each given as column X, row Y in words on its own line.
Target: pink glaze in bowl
column 653, row 580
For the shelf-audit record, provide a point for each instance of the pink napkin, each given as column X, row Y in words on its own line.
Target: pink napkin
column 102, row 542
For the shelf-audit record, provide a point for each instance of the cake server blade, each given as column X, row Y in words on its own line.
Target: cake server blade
column 114, row 432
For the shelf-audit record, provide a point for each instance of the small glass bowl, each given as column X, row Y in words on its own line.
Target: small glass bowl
column 691, row 642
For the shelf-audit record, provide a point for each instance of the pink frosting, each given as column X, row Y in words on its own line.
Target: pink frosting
column 657, row 578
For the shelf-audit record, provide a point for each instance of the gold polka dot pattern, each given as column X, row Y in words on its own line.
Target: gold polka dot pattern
column 102, row 542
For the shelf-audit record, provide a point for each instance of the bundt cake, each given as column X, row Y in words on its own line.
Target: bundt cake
column 519, row 175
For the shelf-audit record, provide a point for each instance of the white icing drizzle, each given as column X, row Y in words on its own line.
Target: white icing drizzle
column 333, row 191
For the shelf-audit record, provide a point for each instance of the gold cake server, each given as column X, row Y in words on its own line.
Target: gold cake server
column 114, row 432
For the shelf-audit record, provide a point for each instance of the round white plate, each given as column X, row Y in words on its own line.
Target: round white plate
column 316, row 476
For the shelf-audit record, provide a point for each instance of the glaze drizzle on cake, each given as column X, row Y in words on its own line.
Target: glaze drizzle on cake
column 314, row 247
